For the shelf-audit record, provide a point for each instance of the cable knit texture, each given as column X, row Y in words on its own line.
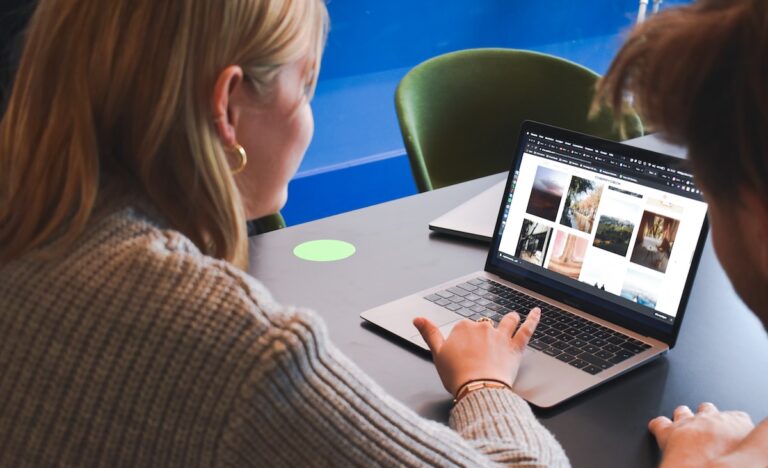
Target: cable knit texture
column 134, row 349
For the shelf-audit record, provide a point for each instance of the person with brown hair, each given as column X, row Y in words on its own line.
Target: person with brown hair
column 139, row 136
column 698, row 74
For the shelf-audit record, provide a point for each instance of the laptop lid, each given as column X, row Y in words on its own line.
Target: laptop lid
column 612, row 229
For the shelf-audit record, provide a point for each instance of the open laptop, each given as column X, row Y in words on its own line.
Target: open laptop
column 604, row 237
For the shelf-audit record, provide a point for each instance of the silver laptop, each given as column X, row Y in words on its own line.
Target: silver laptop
column 474, row 218
column 604, row 237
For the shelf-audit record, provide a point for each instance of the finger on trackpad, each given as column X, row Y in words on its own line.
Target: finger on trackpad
column 445, row 330
column 437, row 315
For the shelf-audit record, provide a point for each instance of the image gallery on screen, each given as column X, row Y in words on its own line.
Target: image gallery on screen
column 610, row 234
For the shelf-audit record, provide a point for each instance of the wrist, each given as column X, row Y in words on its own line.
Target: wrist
column 478, row 384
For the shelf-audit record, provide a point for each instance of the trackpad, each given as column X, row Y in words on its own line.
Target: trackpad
column 445, row 330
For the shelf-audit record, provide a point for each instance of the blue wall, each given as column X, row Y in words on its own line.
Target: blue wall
column 374, row 35
column 373, row 44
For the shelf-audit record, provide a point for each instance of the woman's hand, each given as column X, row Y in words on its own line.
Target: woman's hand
column 697, row 439
column 477, row 350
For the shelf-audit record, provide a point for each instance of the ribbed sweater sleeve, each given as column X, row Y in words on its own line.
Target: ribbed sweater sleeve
column 305, row 403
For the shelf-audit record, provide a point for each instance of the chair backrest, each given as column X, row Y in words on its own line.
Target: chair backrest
column 460, row 113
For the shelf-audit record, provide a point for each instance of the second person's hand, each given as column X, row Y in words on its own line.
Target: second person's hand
column 699, row 439
column 477, row 350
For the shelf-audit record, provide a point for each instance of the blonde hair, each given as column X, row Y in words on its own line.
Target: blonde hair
column 123, row 90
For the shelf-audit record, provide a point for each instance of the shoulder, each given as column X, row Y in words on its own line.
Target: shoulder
column 221, row 311
column 135, row 322
column 130, row 274
column 156, row 272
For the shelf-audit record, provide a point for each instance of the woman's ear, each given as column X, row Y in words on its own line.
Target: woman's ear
column 225, row 114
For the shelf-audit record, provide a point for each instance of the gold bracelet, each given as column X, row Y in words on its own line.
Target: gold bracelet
column 473, row 385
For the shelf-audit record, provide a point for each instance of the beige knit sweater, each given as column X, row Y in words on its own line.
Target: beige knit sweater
column 134, row 349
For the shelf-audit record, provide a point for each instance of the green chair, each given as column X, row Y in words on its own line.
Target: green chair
column 265, row 224
column 460, row 113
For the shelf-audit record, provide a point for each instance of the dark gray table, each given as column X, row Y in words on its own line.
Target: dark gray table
column 721, row 356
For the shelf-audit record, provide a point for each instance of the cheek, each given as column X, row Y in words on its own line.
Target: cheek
column 275, row 145
column 297, row 140
column 722, row 242
column 306, row 124
column 302, row 129
column 729, row 243
column 718, row 243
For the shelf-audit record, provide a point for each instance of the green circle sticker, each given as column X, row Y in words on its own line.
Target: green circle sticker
column 324, row 250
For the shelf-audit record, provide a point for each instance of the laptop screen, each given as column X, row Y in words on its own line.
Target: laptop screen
column 612, row 224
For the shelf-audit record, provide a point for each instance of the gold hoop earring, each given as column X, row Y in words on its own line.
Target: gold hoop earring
column 243, row 158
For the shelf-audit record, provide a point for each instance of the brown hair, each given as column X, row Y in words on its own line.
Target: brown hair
column 699, row 75
column 124, row 90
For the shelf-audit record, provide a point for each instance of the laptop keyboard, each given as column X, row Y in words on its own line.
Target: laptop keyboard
column 579, row 342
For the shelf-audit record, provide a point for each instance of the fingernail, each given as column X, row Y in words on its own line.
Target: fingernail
column 418, row 321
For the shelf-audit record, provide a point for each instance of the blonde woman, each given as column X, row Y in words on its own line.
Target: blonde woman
column 139, row 136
